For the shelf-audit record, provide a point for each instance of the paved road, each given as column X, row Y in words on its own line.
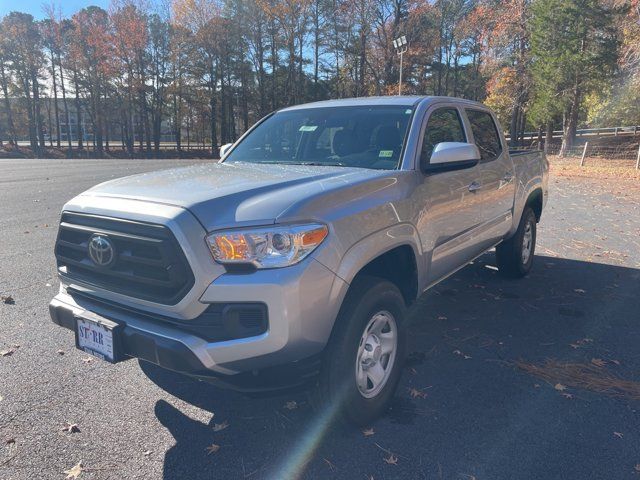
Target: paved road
column 481, row 417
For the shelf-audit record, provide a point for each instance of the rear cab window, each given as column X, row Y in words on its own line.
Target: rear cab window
column 485, row 134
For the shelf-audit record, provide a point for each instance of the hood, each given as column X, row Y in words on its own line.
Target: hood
column 224, row 194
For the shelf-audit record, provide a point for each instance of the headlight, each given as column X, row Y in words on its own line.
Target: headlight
column 268, row 247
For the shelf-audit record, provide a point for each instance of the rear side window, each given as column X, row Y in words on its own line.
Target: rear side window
column 485, row 134
column 444, row 125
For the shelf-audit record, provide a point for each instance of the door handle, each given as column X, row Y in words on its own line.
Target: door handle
column 474, row 186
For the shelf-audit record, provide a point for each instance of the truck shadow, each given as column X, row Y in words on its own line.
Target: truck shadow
column 460, row 383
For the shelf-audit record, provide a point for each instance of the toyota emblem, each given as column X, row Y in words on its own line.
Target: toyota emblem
column 101, row 250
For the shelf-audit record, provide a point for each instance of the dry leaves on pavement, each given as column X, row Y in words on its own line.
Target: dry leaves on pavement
column 391, row 459
column 74, row 472
column 213, row 448
column 71, row 428
column 415, row 393
column 583, row 375
column 7, row 299
column 220, row 426
column 292, row 405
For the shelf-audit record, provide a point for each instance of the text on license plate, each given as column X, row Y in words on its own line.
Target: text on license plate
column 95, row 339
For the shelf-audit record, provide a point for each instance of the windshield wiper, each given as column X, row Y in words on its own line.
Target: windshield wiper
column 319, row 164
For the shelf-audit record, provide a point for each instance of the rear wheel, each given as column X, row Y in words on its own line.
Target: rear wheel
column 364, row 357
column 515, row 255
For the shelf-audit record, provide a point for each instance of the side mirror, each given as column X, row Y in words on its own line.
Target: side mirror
column 452, row 156
column 224, row 149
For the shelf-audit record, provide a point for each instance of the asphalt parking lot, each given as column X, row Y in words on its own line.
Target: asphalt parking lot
column 464, row 409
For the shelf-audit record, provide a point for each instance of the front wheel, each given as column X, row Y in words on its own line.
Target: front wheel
column 364, row 357
column 515, row 255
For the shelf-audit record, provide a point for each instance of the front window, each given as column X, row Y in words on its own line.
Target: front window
column 445, row 125
column 360, row 136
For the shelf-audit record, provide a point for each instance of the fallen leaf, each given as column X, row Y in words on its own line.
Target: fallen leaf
column 567, row 395
column 6, row 353
column 415, row 393
column 598, row 362
column 560, row 387
column 60, row 352
column 579, row 290
column 146, row 453
column 87, row 359
column 220, row 426
column 10, row 441
column 391, row 459
column 332, row 467
column 71, row 428
column 74, row 472
column 617, row 362
column 637, row 467
column 7, row 299
column 618, row 434
column 213, row 448
column 368, row 432
column 292, row 405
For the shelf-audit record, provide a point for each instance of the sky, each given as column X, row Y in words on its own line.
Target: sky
column 34, row 7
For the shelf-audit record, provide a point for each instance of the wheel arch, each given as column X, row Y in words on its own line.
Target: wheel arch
column 535, row 201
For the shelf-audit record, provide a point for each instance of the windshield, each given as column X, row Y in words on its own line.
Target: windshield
column 362, row 136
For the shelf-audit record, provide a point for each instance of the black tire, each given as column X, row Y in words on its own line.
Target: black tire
column 337, row 391
column 509, row 254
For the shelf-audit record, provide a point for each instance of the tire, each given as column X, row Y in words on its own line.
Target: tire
column 375, row 305
column 515, row 255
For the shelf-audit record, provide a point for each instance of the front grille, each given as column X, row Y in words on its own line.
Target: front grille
column 149, row 263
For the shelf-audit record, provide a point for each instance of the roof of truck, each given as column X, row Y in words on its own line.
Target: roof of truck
column 398, row 100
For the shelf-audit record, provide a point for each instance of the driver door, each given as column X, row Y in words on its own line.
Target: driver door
column 450, row 210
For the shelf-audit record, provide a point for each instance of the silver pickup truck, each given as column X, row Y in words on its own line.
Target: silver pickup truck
column 294, row 258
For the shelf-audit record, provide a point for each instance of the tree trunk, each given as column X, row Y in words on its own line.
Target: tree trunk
column 55, row 100
column 64, row 102
column 571, row 125
column 7, row 105
column 316, row 47
column 79, row 130
column 548, row 137
column 36, row 108
column 274, row 69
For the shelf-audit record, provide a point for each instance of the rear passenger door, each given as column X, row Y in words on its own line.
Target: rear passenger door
column 496, row 177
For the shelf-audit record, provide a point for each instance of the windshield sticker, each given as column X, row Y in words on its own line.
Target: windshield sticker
column 408, row 111
column 385, row 153
column 308, row 128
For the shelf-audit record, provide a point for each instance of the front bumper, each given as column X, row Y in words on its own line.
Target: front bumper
column 301, row 310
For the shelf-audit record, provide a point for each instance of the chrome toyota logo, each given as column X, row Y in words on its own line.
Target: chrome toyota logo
column 101, row 250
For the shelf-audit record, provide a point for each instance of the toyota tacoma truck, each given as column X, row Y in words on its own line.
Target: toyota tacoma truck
column 292, row 260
